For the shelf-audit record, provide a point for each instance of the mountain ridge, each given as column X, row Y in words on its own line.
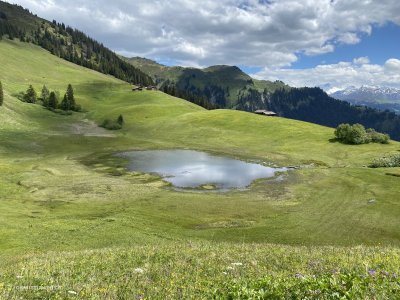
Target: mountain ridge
column 223, row 85
column 379, row 97
column 65, row 42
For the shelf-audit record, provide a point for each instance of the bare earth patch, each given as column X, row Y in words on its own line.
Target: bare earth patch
column 89, row 128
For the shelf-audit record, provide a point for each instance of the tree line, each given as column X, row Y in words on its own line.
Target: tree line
column 192, row 95
column 71, row 45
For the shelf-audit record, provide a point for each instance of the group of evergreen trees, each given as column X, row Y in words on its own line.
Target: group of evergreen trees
column 193, row 95
column 9, row 30
column 50, row 100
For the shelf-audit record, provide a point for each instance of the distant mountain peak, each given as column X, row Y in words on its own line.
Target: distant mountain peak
column 367, row 93
column 379, row 97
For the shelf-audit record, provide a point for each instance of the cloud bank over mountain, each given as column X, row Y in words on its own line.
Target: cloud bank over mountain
column 338, row 76
column 258, row 33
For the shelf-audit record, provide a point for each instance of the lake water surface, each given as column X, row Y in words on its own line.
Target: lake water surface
column 193, row 169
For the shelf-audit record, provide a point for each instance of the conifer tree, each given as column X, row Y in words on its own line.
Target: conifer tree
column 71, row 97
column 65, row 104
column 30, row 95
column 120, row 120
column 52, row 103
column 45, row 95
column 1, row 94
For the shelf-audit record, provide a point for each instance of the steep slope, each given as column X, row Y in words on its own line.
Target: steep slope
column 63, row 41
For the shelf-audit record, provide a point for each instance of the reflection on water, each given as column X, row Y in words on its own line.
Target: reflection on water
column 191, row 169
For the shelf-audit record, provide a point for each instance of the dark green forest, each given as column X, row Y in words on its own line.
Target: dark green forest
column 315, row 106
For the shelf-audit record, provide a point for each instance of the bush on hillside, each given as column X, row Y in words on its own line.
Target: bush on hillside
column 389, row 161
column 111, row 125
column 377, row 137
column 357, row 135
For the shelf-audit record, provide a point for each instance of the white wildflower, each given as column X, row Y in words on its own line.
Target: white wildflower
column 139, row 270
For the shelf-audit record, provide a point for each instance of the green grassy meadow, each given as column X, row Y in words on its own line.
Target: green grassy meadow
column 71, row 216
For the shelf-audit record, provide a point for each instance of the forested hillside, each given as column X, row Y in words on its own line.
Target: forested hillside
column 315, row 106
column 213, row 87
column 66, row 42
column 229, row 87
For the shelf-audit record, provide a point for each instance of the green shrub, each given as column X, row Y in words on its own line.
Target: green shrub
column 357, row 135
column 377, row 137
column 389, row 161
column 342, row 132
column 111, row 125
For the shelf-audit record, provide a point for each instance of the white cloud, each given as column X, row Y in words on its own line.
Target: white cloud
column 361, row 60
column 349, row 38
column 338, row 76
column 241, row 32
column 392, row 65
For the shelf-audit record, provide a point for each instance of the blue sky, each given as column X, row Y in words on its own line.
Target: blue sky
column 326, row 43
column 382, row 44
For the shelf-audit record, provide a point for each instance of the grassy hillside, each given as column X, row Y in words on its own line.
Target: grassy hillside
column 65, row 42
column 64, row 198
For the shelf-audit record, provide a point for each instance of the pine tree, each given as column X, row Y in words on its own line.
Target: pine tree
column 71, row 97
column 120, row 120
column 45, row 96
column 53, row 103
column 1, row 94
column 30, row 95
column 65, row 104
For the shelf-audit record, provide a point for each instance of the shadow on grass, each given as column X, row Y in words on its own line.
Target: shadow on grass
column 335, row 140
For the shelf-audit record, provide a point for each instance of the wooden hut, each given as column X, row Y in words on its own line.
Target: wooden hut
column 265, row 113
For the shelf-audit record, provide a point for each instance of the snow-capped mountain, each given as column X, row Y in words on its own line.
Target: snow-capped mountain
column 368, row 94
column 383, row 98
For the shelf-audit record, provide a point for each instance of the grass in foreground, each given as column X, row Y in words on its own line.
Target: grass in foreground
column 193, row 270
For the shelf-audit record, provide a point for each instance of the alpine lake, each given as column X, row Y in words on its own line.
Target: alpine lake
column 195, row 170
